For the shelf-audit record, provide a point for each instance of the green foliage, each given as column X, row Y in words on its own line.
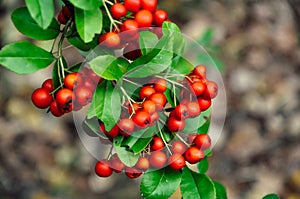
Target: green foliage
column 203, row 166
column 126, row 156
column 147, row 41
column 220, row 190
column 87, row 5
column 18, row 60
column 271, row 196
column 193, row 124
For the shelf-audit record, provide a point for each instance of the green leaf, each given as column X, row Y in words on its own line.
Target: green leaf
column 88, row 23
column 192, row 124
column 81, row 45
column 204, row 128
column 24, row 58
column 42, row 11
column 107, row 66
column 91, row 128
column 75, row 67
column 271, row 196
column 87, row 5
column 148, row 40
column 126, row 156
column 139, row 140
column 171, row 30
column 203, row 165
column 27, row 26
column 221, row 191
column 106, row 103
column 181, row 65
column 160, row 183
column 196, row 186
column 57, row 77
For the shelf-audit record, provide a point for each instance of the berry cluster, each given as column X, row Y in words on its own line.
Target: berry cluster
column 180, row 152
column 75, row 92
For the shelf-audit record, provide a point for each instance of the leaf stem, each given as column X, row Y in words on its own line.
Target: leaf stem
column 181, row 139
column 163, row 139
column 134, row 83
column 113, row 22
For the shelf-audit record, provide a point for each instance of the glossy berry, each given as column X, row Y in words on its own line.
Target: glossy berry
column 149, row 106
column 193, row 155
column 66, row 12
column 160, row 85
column 130, row 27
column 211, row 90
column 116, row 164
column 158, row 159
column 202, row 141
column 114, row 132
column 178, row 147
column 200, row 71
column 71, row 80
column 157, row 144
column 175, row 124
column 48, row 84
column 110, row 39
column 146, row 92
column 154, row 118
column 83, row 95
column 127, row 126
column 143, row 164
column 149, row 5
column 181, row 112
column 103, row 168
column 133, row 172
column 159, row 99
column 132, row 5
column 141, row 119
column 55, row 110
column 176, row 161
column 193, row 109
column 204, row 103
column 118, row 11
column 64, row 98
column 144, row 18
column 135, row 106
column 159, row 17
column 61, row 18
column 41, row 98
column 198, row 88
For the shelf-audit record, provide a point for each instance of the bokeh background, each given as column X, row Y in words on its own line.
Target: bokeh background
column 258, row 152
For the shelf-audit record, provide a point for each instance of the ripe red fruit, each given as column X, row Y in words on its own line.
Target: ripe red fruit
column 110, row 39
column 64, row 99
column 114, row 132
column 118, row 10
column 116, row 164
column 144, row 18
column 159, row 99
column 48, row 84
column 157, row 144
column 132, row 5
column 88, row 83
column 175, row 124
column 193, row 109
column 141, row 119
column 191, row 138
column 202, row 141
column 66, row 12
column 146, row 92
column 200, row 71
column 181, row 112
column 178, row 147
column 176, row 161
column 103, row 169
column 127, row 126
column 143, row 164
column 130, row 27
column 55, row 110
column 160, row 85
column 136, row 107
column 211, row 90
column 204, row 103
column 71, row 80
column 61, row 19
column 158, row 159
column 149, row 5
column 132, row 51
column 83, row 95
column 154, row 117
column 193, row 155
column 149, row 106
column 41, row 98
column 159, row 17
column 198, row 88
column 133, row 172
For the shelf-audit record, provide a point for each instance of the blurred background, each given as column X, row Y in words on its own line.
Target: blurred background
column 258, row 152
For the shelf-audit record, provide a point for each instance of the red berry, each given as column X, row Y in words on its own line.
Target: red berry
column 149, row 5
column 114, row 132
column 144, row 18
column 178, row 147
column 158, row 159
column 71, row 80
column 211, row 90
column 204, row 103
column 41, row 98
column 159, row 17
column 157, row 144
column 193, row 109
column 191, row 138
column 202, row 141
column 127, row 126
column 160, row 85
column 141, row 119
column 110, row 39
column 193, row 155
column 61, row 19
column 176, row 161
column 66, row 12
column 198, row 88
column 149, row 106
column 48, row 84
column 175, row 124
column 200, row 71
column 116, row 164
column 181, row 112
column 133, row 172
column 83, row 95
column 130, row 27
column 103, row 168
column 55, row 110
column 146, row 92
column 143, row 164
column 118, row 11
column 159, row 99
column 132, row 5
column 64, row 98
column 136, row 107
column 154, row 117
